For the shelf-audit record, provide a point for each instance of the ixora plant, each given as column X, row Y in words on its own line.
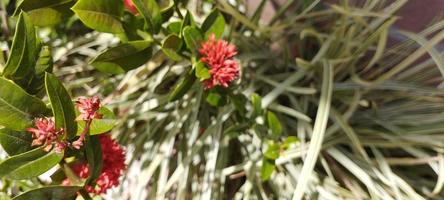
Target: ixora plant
column 173, row 99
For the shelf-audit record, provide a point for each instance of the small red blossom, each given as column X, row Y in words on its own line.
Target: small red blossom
column 45, row 132
column 129, row 5
column 218, row 55
column 113, row 158
column 88, row 108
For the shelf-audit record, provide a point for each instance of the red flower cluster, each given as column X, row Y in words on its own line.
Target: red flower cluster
column 45, row 132
column 129, row 5
column 88, row 108
column 113, row 158
column 218, row 55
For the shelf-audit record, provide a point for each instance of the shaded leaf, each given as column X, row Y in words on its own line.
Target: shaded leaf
column 29, row 164
column 274, row 124
column 123, row 57
column 50, row 193
column 267, row 169
column 193, row 38
column 21, row 61
column 202, row 72
column 15, row 142
column 46, row 12
column 94, row 158
column 150, row 11
column 214, row 23
column 171, row 45
column 62, row 106
column 183, row 86
column 257, row 105
column 18, row 108
column 100, row 15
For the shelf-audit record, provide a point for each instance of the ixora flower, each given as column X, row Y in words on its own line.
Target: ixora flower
column 88, row 108
column 129, row 5
column 218, row 55
column 113, row 158
column 45, row 133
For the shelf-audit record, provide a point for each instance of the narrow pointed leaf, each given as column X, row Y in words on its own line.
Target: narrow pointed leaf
column 18, row 108
column 50, row 192
column 123, row 57
column 15, row 142
column 100, row 15
column 62, row 106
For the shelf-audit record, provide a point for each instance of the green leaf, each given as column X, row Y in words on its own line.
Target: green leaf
column 15, row 142
column 273, row 151
column 188, row 20
column 99, row 126
column 214, row 98
column 29, row 164
column 124, row 57
column 94, row 158
column 202, row 72
column 62, row 106
column 21, row 61
column 274, row 124
column 257, row 105
column 150, row 11
column 174, row 27
column 193, row 38
column 50, row 193
column 289, row 141
column 171, row 45
column 44, row 64
column 267, row 169
column 18, row 108
column 183, row 86
column 46, row 12
column 214, row 23
column 100, row 15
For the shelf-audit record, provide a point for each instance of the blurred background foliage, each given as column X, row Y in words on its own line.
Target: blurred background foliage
column 327, row 106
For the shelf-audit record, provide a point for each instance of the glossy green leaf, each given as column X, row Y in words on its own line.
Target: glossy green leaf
column 267, row 169
column 151, row 12
column 214, row 98
column 289, row 141
column 174, row 27
column 21, row 61
column 202, row 72
column 171, row 45
column 99, row 126
column 167, row 9
column 44, row 64
column 257, row 105
column 214, row 23
column 29, row 164
column 188, row 20
column 46, row 12
column 62, row 106
column 273, row 151
column 274, row 124
column 50, row 193
column 15, row 142
column 193, row 38
column 18, row 108
column 100, row 15
column 124, row 57
column 94, row 158
column 183, row 86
